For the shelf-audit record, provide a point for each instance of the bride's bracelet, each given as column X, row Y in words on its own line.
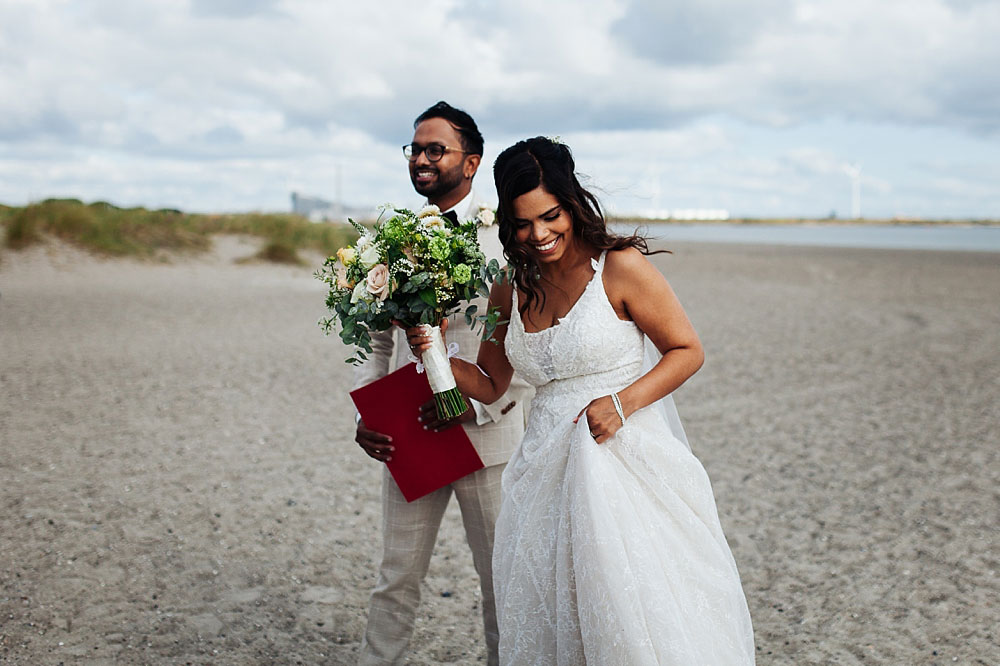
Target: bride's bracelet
column 618, row 407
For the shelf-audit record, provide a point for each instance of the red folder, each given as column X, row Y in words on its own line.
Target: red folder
column 424, row 460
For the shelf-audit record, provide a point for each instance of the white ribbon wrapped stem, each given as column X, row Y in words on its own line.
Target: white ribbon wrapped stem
column 436, row 362
column 452, row 351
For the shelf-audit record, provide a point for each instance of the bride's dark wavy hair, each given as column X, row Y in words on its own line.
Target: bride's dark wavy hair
column 545, row 162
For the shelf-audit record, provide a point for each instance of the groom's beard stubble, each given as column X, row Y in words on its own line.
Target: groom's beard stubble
column 445, row 182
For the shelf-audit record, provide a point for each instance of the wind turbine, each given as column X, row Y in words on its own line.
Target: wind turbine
column 651, row 178
column 339, row 201
column 853, row 172
column 657, row 191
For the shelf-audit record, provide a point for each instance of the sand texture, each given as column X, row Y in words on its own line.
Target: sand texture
column 179, row 482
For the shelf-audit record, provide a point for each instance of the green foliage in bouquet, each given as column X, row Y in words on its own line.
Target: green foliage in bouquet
column 412, row 267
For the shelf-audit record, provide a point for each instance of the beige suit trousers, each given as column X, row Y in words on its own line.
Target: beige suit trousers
column 410, row 530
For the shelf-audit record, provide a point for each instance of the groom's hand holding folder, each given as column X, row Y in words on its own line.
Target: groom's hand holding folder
column 379, row 446
column 420, row 460
column 431, row 421
column 375, row 444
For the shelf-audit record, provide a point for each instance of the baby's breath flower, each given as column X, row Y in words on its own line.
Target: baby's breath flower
column 404, row 267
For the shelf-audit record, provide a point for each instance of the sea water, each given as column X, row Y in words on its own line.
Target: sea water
column 981, row 238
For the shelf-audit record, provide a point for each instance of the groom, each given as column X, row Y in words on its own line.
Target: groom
column 444, row 155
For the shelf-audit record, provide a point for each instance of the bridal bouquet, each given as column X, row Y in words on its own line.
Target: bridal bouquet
column 416, row 269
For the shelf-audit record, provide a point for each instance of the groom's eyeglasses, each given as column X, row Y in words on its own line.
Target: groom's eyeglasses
column 434, row 151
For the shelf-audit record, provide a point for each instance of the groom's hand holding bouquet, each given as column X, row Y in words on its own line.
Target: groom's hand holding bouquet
column 411, row 269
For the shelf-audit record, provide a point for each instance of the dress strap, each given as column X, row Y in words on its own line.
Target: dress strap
column 514, row 312
column 598, row 264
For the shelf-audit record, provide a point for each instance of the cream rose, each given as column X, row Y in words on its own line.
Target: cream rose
column 429, row 211
column 377, row 282
column 486, row 216
column 433, row 223
column 346, row 255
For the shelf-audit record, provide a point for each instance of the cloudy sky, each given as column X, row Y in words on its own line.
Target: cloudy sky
column 750, row 106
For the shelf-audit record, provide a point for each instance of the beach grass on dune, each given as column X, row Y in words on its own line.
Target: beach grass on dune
column 103, row 228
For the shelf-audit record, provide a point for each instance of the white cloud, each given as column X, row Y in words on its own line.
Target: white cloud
column 222, row 104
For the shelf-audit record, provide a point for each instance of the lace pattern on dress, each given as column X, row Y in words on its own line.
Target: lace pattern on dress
column 607, row 553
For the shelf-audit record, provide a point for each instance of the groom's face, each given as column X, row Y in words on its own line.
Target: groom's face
column 436, row 179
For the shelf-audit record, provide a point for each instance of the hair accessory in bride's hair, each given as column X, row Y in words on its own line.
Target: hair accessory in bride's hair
column 556, row 140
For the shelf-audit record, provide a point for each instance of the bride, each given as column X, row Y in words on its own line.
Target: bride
column 608, row 546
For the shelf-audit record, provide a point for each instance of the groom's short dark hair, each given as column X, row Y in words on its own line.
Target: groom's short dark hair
column 472, row 140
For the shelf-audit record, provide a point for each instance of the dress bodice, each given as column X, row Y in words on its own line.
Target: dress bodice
column 589, row 348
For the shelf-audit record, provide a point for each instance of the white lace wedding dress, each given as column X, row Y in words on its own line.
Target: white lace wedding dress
column 607, row 554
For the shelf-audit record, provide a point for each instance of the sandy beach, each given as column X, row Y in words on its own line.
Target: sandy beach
column 179, row 482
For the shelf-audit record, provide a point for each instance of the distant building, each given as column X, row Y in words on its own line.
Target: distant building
column 321, row 210
column 314, row 208
column 686, row 214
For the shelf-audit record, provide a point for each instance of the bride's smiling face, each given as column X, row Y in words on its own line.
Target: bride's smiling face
column 542, row 225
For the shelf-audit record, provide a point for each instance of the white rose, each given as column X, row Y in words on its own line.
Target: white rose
column 363, row 242
column 369, row 256
column 486, row 217
column 377, row 282
column 360, row 293
column 428, row 211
